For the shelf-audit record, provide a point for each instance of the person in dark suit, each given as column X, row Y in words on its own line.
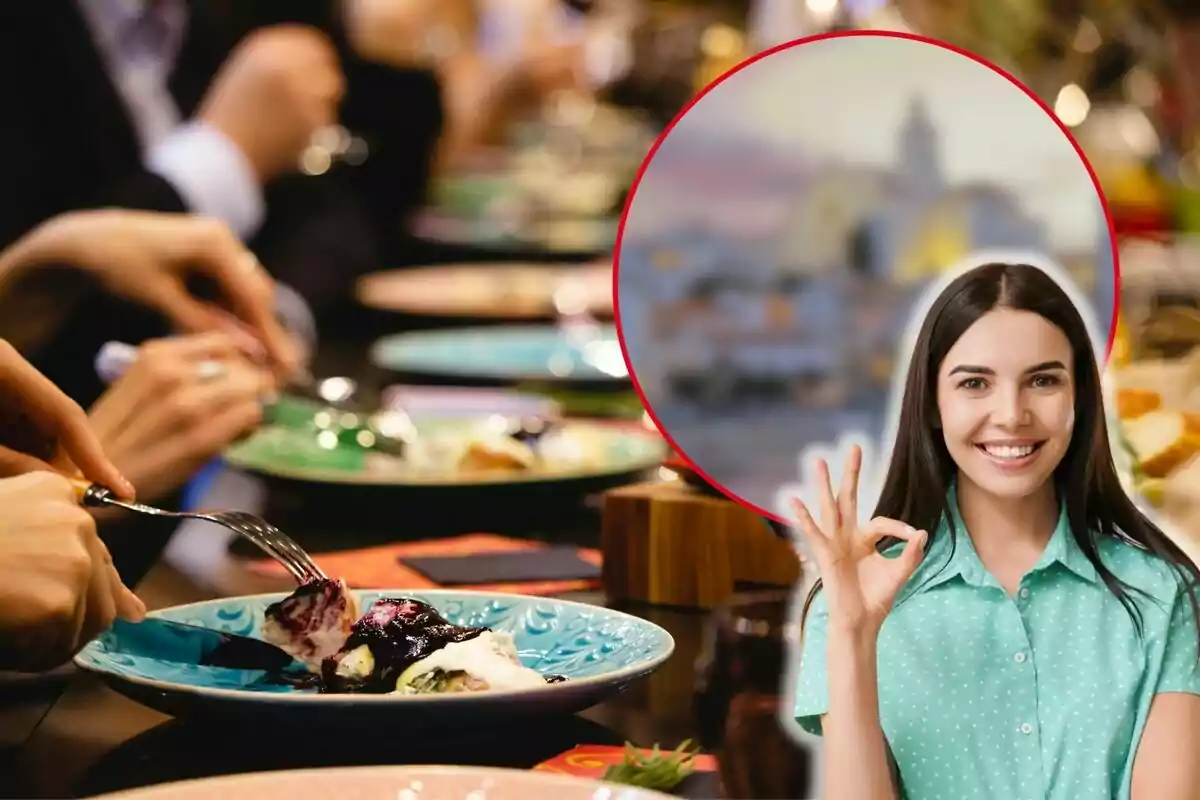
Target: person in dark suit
column 152, row 106
column 175, row 105
column 106, row 105
column 170, row 106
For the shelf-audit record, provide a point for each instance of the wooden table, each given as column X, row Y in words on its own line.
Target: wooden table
column 75, row 737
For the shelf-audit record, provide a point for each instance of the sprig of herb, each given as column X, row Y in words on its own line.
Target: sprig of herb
column 657, row 771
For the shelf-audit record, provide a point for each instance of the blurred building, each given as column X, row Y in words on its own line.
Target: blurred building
column 906, row 224
column 715, row 317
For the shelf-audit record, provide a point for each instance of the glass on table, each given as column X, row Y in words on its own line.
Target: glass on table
column 740, row 694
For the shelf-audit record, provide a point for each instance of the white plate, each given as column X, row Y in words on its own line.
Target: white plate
column 391, row 783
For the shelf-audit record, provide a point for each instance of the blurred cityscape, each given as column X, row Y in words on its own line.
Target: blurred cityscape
column 764, row 290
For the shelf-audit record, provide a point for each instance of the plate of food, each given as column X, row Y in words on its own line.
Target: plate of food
column 1157, row 433
column 391, row 783
column 553, row 354
column 514, row 230
column 502, row 291
column 432, row 656
column 543, row 181
column 392, row 449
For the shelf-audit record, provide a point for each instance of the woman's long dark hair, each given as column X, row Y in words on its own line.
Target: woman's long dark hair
column 1086, row 479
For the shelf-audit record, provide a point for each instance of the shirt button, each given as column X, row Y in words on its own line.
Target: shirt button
column 1019, row 658
column 1026, row 729
column 1024, row 593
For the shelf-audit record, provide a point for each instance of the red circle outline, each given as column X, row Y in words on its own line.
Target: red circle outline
column 637, row 387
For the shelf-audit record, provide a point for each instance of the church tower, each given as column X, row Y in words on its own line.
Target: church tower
column 919, row 167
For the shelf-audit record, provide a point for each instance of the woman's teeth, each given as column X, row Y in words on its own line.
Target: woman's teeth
column 1009, row 451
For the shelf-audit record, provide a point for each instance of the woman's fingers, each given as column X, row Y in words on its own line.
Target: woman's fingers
column 210, row 345
column 812, row 533
column 251, row 344
column 252, row 294
column 882, row 527
column 161, row 368
column 59, row 417
column 847, row 500
column 173, row 459
column 914, row 540
column 101, row 593
column 14, row 463
column 185, row 400
column 129, row 606
column 831, row 520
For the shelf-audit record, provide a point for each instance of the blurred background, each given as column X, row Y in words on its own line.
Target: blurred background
column 1124, row 77
column 451, row 233
column 442, row 236
column 786, row 227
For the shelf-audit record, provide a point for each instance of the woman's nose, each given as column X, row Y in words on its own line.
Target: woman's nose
column 1011, row 408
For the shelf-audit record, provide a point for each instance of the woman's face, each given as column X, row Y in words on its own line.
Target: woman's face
column 1006, row 402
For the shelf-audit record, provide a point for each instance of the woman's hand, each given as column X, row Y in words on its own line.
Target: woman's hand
column 58, row 586
column 861, row 583
column 43, row 429
column 182, row 402
column 147, row 257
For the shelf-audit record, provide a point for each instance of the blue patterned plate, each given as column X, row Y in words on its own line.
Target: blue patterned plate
column 505, row 352
column 598, row 650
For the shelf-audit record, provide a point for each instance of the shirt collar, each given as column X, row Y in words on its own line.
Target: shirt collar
column 1063, row 549
column 952, row 554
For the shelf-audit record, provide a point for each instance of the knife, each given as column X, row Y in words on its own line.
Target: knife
column 182, row 643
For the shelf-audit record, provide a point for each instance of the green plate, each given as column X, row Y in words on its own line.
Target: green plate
column 590, row 235
column 586, row 450
column 619, row 404
column 471, row 195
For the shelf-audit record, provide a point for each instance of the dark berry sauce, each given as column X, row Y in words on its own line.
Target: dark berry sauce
column 399, row 632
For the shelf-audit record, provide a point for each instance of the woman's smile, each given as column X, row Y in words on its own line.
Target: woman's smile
column 1012, row 454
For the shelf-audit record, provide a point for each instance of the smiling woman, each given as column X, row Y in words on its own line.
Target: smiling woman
column 1008, row 624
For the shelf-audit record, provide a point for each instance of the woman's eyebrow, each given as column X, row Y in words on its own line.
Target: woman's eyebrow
column 1045, row 366
column 971, row 369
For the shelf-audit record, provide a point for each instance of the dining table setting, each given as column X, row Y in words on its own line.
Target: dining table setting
column 395, row 586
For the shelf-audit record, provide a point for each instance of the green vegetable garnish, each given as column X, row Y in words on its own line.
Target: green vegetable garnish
column 657, row 771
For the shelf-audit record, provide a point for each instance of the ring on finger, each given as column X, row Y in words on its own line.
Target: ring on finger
column 209, row 370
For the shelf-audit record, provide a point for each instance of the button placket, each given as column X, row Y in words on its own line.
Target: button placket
column 1024, row 699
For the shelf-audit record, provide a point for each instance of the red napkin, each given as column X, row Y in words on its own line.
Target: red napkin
column 379, row 567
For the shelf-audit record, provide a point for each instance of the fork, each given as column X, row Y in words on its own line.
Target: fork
column 264, row 535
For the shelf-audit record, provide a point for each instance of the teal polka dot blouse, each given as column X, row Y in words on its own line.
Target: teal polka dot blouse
column 1042, row 695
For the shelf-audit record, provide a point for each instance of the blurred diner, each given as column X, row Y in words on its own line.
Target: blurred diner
column 310, row 128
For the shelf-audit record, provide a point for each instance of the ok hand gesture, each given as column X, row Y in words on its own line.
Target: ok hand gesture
column 860, row 582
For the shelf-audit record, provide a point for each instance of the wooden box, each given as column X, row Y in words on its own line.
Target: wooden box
column 667, row 543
